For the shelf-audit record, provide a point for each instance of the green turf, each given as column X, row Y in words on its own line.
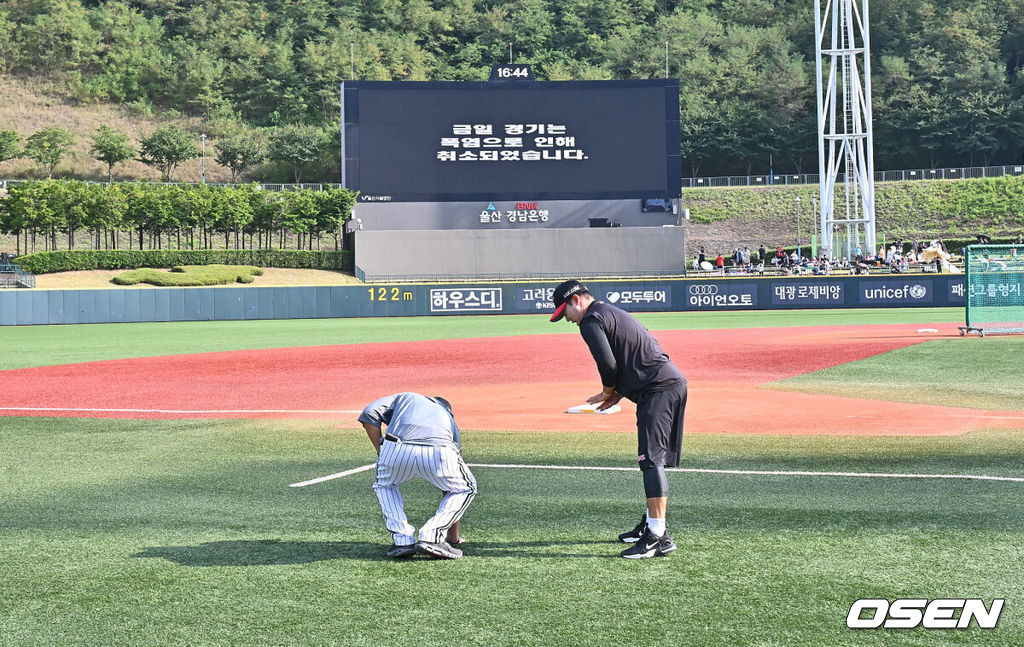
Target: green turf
column 970, row 372
column 24, row 346
column 185, row 533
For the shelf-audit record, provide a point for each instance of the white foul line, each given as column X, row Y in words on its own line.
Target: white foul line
column 693, row 470
column 82, row 410
column 356, row 470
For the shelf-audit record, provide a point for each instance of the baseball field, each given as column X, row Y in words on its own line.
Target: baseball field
column 828, row 457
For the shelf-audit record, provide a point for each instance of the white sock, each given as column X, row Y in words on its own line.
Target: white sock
column 657, row 526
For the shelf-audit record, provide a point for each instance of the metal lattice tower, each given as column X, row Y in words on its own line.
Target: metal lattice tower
column 845, row 141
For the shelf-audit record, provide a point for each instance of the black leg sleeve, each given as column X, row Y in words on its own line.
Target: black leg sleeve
column 655, row 482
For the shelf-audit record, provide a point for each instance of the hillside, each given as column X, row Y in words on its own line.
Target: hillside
column 945, row 73
column 28, row 106
column 721, row 219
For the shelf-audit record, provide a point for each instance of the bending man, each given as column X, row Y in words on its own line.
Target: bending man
column 422, row 440
column 633, row 365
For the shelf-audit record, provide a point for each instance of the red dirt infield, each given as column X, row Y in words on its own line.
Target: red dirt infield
column 508, row 383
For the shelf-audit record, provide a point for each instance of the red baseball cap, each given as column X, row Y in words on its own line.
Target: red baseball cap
column 562, row 294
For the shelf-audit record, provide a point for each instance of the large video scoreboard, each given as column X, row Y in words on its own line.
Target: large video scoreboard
column 472, row 141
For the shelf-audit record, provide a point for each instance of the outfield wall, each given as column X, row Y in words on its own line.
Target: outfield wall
column 28, row 307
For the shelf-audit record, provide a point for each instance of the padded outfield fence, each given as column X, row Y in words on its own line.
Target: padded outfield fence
column 994, row 289
column 114, row 305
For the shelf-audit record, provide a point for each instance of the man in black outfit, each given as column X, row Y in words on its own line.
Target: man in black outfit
column 633, row 365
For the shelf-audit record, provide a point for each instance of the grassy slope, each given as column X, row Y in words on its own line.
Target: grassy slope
column 28, row 107
column 68, row 344
column 169, row 533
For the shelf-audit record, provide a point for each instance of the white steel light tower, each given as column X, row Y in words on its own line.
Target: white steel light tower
column 845, row 142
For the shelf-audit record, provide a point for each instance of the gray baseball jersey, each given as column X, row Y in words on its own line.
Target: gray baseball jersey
column 422, row 441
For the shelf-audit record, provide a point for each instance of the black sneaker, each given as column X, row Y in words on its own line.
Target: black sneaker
column 400, row 552
column 635, row 534
column 440, row 550
column 650, row 546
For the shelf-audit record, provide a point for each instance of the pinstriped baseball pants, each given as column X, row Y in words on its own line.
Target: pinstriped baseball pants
column 442, row 466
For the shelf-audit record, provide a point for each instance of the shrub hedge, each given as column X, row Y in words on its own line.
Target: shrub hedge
column 189, row 275
column 67, row 261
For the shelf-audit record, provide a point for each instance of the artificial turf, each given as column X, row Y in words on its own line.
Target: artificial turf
column 967, row 372
column 122, row 532
column 25, row 346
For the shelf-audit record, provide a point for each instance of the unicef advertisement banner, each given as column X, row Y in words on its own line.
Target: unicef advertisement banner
column 895, row 292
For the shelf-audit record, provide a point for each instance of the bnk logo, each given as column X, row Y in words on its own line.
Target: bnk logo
column 936, row 614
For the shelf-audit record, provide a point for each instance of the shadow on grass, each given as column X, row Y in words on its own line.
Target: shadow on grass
column 264, row 552
column 274, row 552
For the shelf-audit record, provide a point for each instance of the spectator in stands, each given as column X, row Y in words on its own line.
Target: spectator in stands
column 761, row 253
column 703, row 256
column 779, row 253
column 720, row 263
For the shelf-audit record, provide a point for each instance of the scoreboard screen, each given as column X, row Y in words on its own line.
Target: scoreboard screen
column 461, row 141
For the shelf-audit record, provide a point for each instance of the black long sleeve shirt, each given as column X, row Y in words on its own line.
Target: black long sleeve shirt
column 627, row 355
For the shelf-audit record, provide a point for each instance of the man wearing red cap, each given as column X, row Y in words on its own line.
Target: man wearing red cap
column 633, row 365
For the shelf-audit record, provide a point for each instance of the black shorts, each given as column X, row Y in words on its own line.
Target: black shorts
column 659, row 426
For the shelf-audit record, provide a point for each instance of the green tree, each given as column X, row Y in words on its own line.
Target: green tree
column 68, row 200
column 128, row 59
column 10, row 145
column 48, row 146
column 167, row 147
column 55, row 35
column 106, row 208
column 989, row 117
column 297, row 145
column 299, row 214
column 334, row 207
column 150, row 210
column 240, row 152
column 8, row 47
column 230, row 211
column 111, row 147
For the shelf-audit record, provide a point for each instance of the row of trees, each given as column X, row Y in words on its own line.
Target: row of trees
column 947, row 80
column 169, row 146
column 170, row 216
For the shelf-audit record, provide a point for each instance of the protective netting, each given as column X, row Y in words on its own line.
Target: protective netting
column 994, row 291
